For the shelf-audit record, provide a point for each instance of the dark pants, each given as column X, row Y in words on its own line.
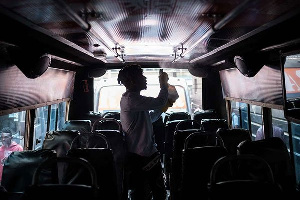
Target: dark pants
column 144, row 184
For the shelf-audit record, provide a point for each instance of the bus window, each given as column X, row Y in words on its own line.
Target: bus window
column 235, row 114
column 13, row 124
column 52, row 125
column 61, row 115
column 16, row 122
column 296, row 146
column 108, row 92
column 256, row 119
column 280, row 126
column 40, row 126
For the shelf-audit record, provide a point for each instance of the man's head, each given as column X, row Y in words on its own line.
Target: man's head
column 132, row 78
column 6, row 136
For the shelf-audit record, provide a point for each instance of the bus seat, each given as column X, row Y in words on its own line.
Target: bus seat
column 19, row 168
column 201, row 138
column 107, row 124
column 188, row 124
column 168, row 146
column 213, row 124
column 83, row 126
column 231, row 138
column 102, row 160
column 178, row 145
column 60, row 141
column 196, row 165
column 90, row 140
column 275, row 152
column 242, row 176
column 38, row 191
column 178, row 116
column 114, row 115
column 159, row 134
column 205, row 114
column 117, row 144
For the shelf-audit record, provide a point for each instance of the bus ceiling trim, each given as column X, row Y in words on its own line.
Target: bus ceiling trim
column 215, row 27
column 66, row 61
column 268, row 105
column 86, row 26
column 198, row 71
column 39, row 36
column 238, row 45
column 14, row 110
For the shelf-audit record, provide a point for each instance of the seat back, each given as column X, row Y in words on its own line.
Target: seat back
column 107, row 124
column 159, row 134
column 19, row 168
column 234, row 175
column 116, row 141
column 188, row 124
column 176, row 164
column 83, row 126
column 90, row 140
column 196, row 166
column 275, row 152
column 213, row 124
column 201, row 138
column 231, row 138
column 113, row 115
column 62, row 191
column 60, row 141
column 205, row 114
column 178, row 116
column 102, row 160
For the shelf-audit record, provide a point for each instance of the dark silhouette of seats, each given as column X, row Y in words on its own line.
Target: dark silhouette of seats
column 102, row 160
column 188, row 124
column 231, row 138
column 83, row 126
column 213, row 124
column 196, row 166
column 90, row 140
column 159, row 134
column 176, row 161
column 178, row 116
column 111, row 114
column 116, row 141
column 63, row 191
column 107, row 124
column 275, row 152
column 60, row 141
column 201, row 138
column 205, row 114
column 249, row 176
column 19, row 168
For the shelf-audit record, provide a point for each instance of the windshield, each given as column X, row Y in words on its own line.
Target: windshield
column 110, row 96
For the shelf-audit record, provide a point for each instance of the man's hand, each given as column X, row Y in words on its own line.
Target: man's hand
column 163, row 79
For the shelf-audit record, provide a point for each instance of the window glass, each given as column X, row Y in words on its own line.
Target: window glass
column 256, row 119
column 16, row 122
column 296, row 146
column 244, row 115
column 280, row 126
column 12, row 129
column 235, row 114
column 52, row 125
column 107, row 91
column 61, row 117
column 40, row 126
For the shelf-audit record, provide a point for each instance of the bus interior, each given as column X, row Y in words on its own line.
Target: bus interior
column 235, row 65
